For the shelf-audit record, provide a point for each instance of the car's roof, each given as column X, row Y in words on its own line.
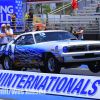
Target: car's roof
column 34, row 32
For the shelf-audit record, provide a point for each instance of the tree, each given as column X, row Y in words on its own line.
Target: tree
column 38, row 6
column 31, row 7
column 59, row 5
column 46, row 8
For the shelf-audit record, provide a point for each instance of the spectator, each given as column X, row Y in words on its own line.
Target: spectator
column 74, row 6
column 10, row 31
column 4, row 34
column 26, row 18
column 37, row 29
column 80, row 33
column 45, row 28
column 56, row 28
column 13, row 17
column 73, row 31
column 27, row 29
column 98, row 8
column 30, row 18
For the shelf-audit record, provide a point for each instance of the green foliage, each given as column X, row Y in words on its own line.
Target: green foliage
column 31, row 7
column 46, row 8
column 59, row 5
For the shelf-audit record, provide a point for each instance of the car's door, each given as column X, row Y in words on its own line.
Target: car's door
column 24, row 50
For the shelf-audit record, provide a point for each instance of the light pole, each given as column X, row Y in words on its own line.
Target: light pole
column 85, row 3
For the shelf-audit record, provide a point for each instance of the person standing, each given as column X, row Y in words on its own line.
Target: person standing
column 13, row 17
column 9, row 30
column 98, row 11
column 98, row 8
column 26, row 18
column 30, row 19
column 4, row 34
column 74, row 6
column 72, row 30
column 26, row 15
column 80, row 33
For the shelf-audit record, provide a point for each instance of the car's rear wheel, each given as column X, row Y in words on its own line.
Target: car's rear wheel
column 94, row 66
column 8, row 64
column 51, row 64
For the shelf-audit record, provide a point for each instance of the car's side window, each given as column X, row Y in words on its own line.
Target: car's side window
column 25, row 40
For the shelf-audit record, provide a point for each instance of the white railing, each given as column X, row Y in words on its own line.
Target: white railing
column 61, row 8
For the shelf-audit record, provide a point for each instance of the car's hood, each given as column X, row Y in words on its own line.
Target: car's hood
column 73, row 42
column 76, row 42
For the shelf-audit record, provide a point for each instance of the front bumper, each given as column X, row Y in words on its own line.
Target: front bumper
column 81, row 56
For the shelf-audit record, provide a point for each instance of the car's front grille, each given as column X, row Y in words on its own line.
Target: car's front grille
column 84, row 48
column 94, row 47
column 77, row 48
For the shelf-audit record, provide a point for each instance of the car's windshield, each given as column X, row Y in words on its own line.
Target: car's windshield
column 53, row 36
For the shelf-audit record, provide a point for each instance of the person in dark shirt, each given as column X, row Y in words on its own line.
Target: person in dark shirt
column 37, row 29
column 72, row 30
column 98, row 8
column 30, row 15
column 27, row 29
column 98, row 11
column 30, row 18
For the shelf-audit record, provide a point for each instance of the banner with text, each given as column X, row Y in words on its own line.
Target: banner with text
column 56, row 84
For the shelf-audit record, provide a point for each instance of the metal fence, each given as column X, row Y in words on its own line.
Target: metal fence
column 62, row 22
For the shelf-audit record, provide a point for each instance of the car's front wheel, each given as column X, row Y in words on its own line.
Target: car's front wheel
column 94, row 66
column 52, row 65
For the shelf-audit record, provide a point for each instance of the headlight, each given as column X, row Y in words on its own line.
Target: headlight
column 64, row 49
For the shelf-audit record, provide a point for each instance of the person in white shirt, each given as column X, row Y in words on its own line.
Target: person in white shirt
column 4, row 34
column 9, row 30
column 80, row 33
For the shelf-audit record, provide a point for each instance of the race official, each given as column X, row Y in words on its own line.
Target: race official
column 4, row 34
column 10, row 31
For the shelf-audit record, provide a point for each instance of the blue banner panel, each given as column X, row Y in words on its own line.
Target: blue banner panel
column 8, row 7
column 55, row 84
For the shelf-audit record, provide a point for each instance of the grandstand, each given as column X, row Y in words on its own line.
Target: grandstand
column 87, row 18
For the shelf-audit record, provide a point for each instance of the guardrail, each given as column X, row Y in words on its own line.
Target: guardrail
column 63, row 23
